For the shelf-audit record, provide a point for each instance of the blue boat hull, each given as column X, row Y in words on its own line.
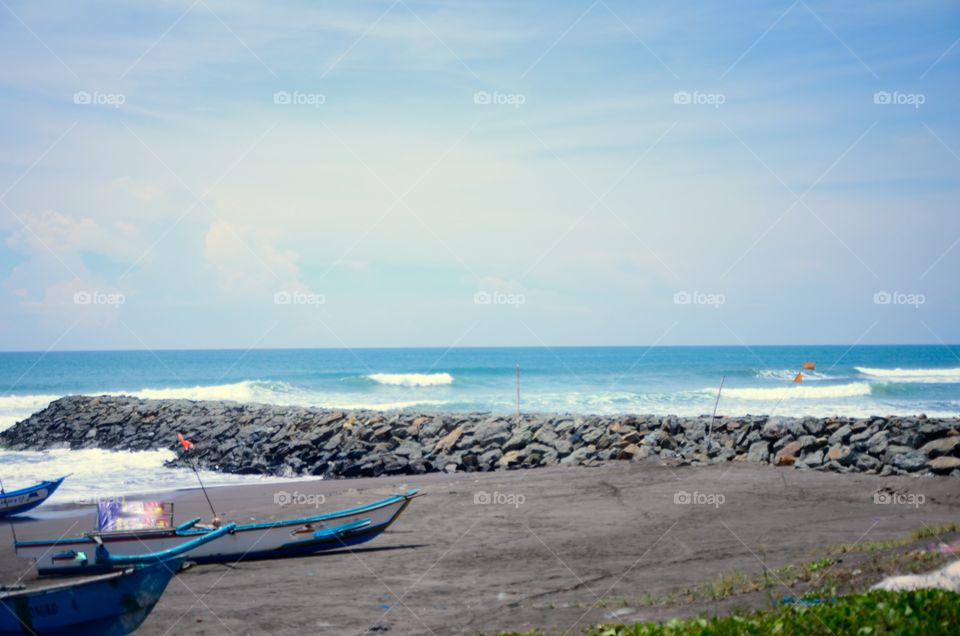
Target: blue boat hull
column 19, row 501
column 108, row 605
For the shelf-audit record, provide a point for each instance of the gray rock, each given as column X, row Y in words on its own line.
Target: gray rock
column 910, row 462
column 759, row 452
column 812, row 459
column 841, row 435
column 942, row 446
column 877, row 443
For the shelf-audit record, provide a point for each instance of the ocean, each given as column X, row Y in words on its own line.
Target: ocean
column 855, row 381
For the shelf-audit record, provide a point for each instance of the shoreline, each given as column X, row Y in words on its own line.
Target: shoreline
column 288, row 442
column 453, row 564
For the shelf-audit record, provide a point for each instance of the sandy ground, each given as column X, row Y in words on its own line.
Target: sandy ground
column 558, row 541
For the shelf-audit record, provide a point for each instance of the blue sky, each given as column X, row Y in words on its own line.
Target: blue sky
column 214, row 174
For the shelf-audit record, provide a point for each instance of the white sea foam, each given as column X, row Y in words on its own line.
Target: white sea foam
column 927, row 376
column 412, row 379
column 98, row 473
column 18, row 407
column 789, row 374
column 794, row 392
column 14, row 408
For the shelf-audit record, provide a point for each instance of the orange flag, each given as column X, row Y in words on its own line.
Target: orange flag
column 810, row 365
column 798, row 379
column 187, row 444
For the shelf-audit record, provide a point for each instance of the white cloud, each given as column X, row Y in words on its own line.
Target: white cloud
column 65, row 235
column 247, row 262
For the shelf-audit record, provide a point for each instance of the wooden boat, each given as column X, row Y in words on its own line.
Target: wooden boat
column 19, row 501
column 113, row 603
column 110, row 604
column 266, row 540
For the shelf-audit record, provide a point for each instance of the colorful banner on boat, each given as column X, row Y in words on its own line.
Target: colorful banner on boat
column 134, row 515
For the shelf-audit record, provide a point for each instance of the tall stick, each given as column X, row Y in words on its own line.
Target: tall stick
column 715, row 405
column 204, row 489
column 518, row 390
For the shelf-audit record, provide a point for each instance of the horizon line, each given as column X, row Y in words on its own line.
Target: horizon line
column 448, row 348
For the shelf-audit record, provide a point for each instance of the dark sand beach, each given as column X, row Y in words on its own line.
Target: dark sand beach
column 550, row 546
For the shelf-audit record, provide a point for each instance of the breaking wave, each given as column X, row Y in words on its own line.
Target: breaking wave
column 854, row 389
column 927, row 376
column 789, row 374
column 412, row 379
column 97, row 473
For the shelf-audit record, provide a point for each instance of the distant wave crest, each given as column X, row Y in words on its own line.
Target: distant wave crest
column 929, row 376
column 412, row 379
column 14, row 408
column 245, row 391
column 789, row 374
column 854, row 389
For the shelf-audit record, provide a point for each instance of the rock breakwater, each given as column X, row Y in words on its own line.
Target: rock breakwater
column 279, row 440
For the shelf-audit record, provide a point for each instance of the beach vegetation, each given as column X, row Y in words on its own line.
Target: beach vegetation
column 876, row 613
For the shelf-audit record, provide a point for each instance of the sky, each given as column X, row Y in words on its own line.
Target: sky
column 216, row 174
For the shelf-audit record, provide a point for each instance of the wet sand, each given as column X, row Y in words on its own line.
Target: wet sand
column 552, row 543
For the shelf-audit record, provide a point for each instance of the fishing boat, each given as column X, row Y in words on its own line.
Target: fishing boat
column 265, row 540
column 110, row 604
column 18, row 501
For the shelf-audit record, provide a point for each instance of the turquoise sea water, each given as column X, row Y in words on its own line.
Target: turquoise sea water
column 861, row 380
column 683, row 380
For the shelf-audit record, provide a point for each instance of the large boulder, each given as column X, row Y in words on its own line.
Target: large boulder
column 942, row 446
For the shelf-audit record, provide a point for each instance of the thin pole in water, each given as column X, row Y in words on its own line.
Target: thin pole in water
column 518, row 390
column 715, row 405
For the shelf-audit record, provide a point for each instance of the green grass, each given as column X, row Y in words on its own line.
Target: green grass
column 925, row 532
column 873, row 614
column 829, row 576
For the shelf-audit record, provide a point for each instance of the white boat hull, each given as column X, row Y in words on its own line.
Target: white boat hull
column 275, row 539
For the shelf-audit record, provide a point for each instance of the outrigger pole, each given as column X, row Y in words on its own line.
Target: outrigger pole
column 187, row 447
